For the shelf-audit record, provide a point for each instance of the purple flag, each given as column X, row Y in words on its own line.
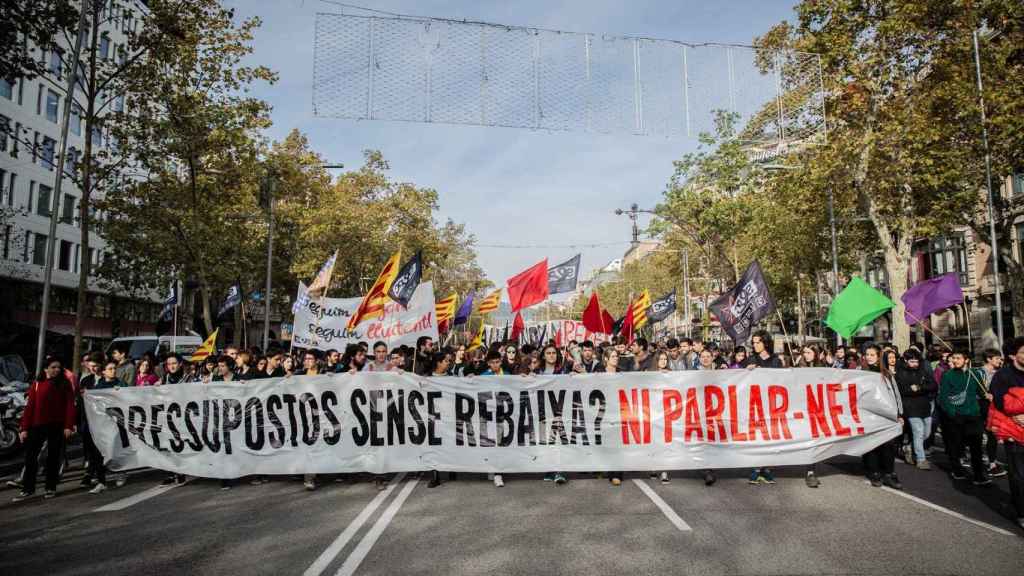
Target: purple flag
column 928, row 297
column 462, row 316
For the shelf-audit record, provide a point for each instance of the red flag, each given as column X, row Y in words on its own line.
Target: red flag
column 518, row 325
column 529, row 287
column 558, row 338
column 597, row 319
column 627, row 325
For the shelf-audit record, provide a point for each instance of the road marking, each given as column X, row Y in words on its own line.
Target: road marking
column 140, row 497
column 938, row 508
column 332, row 551
column 665, row 508
column 357, row 555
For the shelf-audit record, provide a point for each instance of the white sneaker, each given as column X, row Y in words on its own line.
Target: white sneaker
column 310, row 486
column 121, row 480
column 664, row 477
column 498, row 481
column 98, row 489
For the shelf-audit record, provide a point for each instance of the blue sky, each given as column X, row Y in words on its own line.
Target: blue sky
column 509, row 186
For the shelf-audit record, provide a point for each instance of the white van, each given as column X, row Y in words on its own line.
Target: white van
column 158, row 345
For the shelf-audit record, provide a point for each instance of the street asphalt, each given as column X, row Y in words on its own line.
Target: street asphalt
column 529, row 527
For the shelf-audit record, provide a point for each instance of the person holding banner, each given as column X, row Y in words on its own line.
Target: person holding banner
column 880, row 463
column 762, row 358
column 380, row 362
column 494, row 368
column 610, row 361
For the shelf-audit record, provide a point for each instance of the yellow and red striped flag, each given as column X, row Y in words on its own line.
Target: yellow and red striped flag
column 208, row 348
column 373, row 303
column 444, row 309
column 640, row 306
column 479, row 340
column 490, row 303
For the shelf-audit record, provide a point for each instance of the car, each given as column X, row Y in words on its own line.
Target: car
column 158, row 345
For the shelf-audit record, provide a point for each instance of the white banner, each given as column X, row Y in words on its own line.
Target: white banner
column 391, row 422
column 321, row 323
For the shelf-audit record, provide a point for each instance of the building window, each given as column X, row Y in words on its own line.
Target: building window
column 942, row 255
column 5, row 129
column 1017, row 189
column 52, row 104
column 6, row 89
column 76, row 119
column 24, row 247
column 97, row 136
column 49, row 149
column 104, row 46
column 55, row 63
column 1020, row 243
column 39, row 250
column 64, row 257
column 67, row 209
column 8, row 230
column 43, row 206
column 11, row 188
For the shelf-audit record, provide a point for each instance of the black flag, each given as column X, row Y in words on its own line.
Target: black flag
column 617, row 326
column 407, row 280
column 662, row 308
column 744, row 304
column 562, row 278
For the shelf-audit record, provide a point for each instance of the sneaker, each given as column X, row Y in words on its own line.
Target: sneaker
column 14, row 484
column 498, row 481
column 892, row 481
column 983, row 482
column 560, row 479
column 616, row 481
column 309, row 485
column 663, row 477
column 50, row 494
column 653, row 475
column 709, row 478
column 767, row 477
column 549, row 477
column 812, row 480
column 121, row 481
column 995, row 470
column 225, row 486
column 168, row 481
column 180, row 479
column 876, row 481
column 908, row 454
column 23, row 496
column 256, row 481
column 98, row 489
column 924, row 465
column 755, row 477
column 380, row 484
column 959, row 474
column 435, row 480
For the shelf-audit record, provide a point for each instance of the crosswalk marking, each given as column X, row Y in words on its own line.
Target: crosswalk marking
column 663, row 506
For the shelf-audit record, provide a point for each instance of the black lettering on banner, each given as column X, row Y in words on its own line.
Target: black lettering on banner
column 557, row 402
column 376, row 416
column 254, row 436
column 396, row 417
column 525, row 427
column 542, row 422
column 273, row 405
column 361, row 433
column 597, row 397
column 137, row 422
column 579, row 424
column 211, row 426
column 293, row 436
column 192, row 409
column 310, row 426
column 485, row 418
column 329, row 399
column 118, row 415
column 234, row 407
column 174, row 413
column 464, row 408
column 505, row 430
column 154, row 425
column 433, row 417
column 418, row 429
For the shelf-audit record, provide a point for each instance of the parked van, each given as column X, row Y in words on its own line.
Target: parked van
column 158, row 345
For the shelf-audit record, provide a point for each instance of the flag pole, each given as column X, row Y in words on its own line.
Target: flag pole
column 929, row 330
column 785, row 332
column 174, row 336
column 967, row 320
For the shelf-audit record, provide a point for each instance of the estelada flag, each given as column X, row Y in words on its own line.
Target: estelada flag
column 373, row 303
column 518, row 325
column 208, row 348
column 444, row 310
column 529, row 287
column 479, row 340
column 491, row 302
column 640, row 307
column 597, row 319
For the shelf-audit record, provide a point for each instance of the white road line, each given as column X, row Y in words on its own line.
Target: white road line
column 332, row 551
column 360, row 552
column 140, row 497
column 938, row 508
column 665, row 508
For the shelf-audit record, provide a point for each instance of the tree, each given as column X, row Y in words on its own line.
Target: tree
column 31, row 21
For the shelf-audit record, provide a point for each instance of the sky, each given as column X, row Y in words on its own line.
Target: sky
column 509, row 186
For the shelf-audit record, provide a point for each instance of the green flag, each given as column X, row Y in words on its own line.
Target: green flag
column 856, row 306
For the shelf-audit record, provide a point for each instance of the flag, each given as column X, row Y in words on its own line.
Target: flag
column 301, row 299
column 444, row 309
column 208, row 348
column 662, row 307
column 617, row 325
column 479, row 340
column 562, row 278
column 504, row 337
column 323, row 278
column 407, row 280
column 928, row 297
column 234, row 297
column 744, row 304
column 373, row 303
column 462, row 316
column 627, row 327
column 597, row 319
column 640, row 306
column 529, row 287
column 490, row 303
column 518, row 326
column 170, row 302
column 855, row 307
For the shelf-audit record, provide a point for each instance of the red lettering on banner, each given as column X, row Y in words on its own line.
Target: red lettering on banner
column 692, row 423
column 734, row 418
column 778, row 404
column 631, row 424
column 816, row 412
column 854, row 410
column 755, row 416
column 672, row 406
column 714, row 405
column 834, row 409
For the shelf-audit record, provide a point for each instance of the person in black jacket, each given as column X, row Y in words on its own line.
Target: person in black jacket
column 880, row 462
column 761, row 342
column 917, row 391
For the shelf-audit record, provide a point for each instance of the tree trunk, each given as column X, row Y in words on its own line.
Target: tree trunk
column 204, row 293
column 897, row 263
column 237, row 339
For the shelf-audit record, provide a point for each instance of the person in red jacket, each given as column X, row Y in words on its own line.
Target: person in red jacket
column 49, row 417
column 1005, row 389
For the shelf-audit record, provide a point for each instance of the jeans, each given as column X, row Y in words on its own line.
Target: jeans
column 920, row 428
